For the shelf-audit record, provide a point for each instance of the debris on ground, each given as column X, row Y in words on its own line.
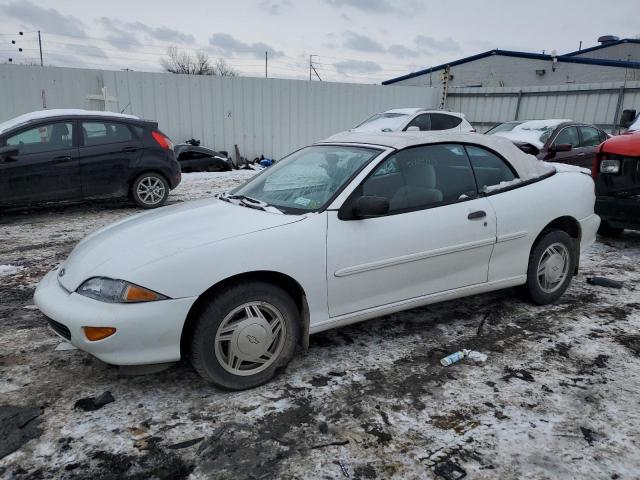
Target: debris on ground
column 604, row 282
column 449, row 470
column 64, row 346
column 18, row 425
column 464, row 353
column 90, row 404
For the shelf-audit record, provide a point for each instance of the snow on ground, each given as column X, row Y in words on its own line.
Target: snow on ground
column 556, row 397
column 6, row 270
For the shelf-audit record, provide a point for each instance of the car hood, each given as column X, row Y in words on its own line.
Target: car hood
column 132, row 243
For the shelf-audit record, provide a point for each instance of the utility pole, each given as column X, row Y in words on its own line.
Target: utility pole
column 265, row 65
column 40, row 44
column 312, row 68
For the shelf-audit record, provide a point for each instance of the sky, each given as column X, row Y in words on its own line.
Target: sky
column 361, row 41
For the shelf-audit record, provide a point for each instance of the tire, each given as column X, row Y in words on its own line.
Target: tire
column 606, row 230
column 150, row 190
column 559, row 250
column 256, row 310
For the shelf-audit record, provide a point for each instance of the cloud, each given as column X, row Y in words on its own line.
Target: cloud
column 164, row 34
column 50, row 20
column 430, row 44
column 88, row 52
column 362, row 43
column 402, row 51
column 119, row 36
column 274, row 8
column 225, row 44
column 356, row 66
column 372, row 6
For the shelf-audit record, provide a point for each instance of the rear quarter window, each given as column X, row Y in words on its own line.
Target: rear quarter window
column 490, row 170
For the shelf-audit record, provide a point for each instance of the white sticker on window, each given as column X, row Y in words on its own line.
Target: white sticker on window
column 302, row 201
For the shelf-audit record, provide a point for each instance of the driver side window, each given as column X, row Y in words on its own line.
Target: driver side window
column 568, row 135
column 43, row 138
column 423, row 177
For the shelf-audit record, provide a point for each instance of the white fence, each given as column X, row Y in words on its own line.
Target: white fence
column 600, row 104
column 262, row 116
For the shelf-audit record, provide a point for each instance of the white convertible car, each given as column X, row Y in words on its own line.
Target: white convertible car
column 355, row 227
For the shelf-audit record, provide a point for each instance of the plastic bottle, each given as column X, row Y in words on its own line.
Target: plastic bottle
column 453, row 358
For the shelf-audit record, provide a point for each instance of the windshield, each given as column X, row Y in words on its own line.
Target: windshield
column 502, row 127
column 307, row 179
column 635, row 126
column 385, row 122
column 535, row 132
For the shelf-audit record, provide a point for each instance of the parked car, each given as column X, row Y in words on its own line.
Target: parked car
column 554, row 140
column 194, row 158
column 63, row 154
column 616, row 172
column 415, row 119
column 357, row 226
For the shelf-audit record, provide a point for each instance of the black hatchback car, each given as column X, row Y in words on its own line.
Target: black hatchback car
column 74, row 154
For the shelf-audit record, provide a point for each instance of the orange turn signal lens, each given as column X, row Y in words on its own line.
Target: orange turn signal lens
column 94, row 334
column 133, row 293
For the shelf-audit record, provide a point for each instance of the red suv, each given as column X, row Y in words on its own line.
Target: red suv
column 616, row 173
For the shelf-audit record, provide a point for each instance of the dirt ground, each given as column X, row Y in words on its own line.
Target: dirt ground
column 556, row 398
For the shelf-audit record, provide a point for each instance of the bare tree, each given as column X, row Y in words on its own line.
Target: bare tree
column 223, row 69
column 178, row 61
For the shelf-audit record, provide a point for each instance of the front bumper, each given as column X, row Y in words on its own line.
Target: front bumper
column 620, row 212
column 146, row 333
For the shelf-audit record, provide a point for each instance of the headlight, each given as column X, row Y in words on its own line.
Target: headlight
column 117, row 291
column 610, row 166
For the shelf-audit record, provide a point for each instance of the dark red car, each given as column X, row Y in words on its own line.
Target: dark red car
column 554, row 140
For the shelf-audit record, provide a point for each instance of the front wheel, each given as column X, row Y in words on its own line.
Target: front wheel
column 150, row 190
column 245, row 335
column 551, row 266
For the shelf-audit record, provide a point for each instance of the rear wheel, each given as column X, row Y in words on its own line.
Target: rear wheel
column 551, row 266
column 245, row 335
column 606, row 230
column 150, row 190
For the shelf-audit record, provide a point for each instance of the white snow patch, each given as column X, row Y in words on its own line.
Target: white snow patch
column 57, row 112
column 535, row 132
column 6, row 270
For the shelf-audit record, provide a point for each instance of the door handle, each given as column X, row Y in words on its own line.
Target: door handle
column 130, row 149
column 476, row 215
column 62, row 158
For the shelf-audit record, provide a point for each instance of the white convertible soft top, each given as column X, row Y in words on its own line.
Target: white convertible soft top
column 58, row 112
column 527, row 166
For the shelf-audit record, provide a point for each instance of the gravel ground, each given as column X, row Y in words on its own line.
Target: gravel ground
column 556, row 398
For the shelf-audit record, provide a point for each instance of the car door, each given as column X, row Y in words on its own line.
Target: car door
column 107, row 152
column 568, row 135
column 589, row 141
column 437, row 236
column 46, row 167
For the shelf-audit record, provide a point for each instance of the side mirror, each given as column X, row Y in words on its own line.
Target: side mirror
column 561, row 147
column 413, row 128
column 369, row 206
column 7, row 152
column 627, row 118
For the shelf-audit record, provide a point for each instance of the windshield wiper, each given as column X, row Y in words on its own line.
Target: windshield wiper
column 249, row 202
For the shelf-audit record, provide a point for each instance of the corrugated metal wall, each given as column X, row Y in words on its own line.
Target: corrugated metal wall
column 263, row 116
column 600, row 104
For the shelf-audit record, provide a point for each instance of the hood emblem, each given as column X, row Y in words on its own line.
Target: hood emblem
column 62, row 272
column 252, row 339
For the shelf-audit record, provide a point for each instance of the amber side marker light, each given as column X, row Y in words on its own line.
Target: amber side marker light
column 133, row 293
column 94, row 334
